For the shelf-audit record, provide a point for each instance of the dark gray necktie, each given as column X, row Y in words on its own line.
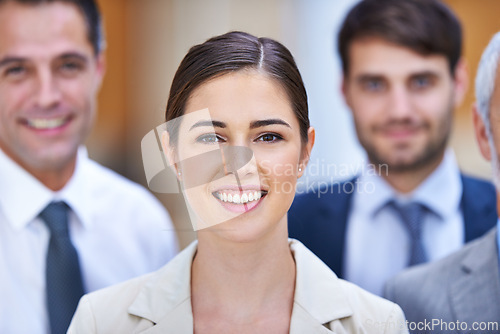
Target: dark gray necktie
column 63, row 277
column 412, row 215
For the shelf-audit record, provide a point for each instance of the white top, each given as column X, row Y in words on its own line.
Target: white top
column 378, row 244
column 118, row 229
column 160, row 303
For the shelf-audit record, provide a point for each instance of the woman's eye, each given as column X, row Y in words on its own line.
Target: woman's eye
column 269, row 137
column 210, row 138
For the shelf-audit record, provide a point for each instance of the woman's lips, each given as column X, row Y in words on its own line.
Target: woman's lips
column 239, row 201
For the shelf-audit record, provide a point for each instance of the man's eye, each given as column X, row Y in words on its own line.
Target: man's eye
column 210, row 138
column 270, row 137
column 15, row 71
column 420, row 82
column 71, row 67
column 373, row 85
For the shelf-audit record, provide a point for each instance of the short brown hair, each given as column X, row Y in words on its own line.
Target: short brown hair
column 90, row 12
column 424, row 26
column 231, row 52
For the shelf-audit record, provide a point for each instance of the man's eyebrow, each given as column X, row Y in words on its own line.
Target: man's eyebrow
column 425, row 74
column 77, row 55
column 13, row 59
column 8, row 60
column 215, row 124
column 265, row 122
column 369, row 77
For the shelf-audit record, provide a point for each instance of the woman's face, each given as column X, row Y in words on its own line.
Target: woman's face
column 239, row 151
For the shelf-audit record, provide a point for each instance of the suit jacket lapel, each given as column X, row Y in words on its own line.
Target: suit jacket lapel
column 475, row 291
column 478, row 206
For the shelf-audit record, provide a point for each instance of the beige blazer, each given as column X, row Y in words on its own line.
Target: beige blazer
column 160, row 302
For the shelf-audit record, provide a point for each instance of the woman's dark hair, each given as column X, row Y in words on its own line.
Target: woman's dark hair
column 424, row 26
column 231, row 52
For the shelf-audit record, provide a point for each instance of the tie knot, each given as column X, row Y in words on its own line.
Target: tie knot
column 411, row 214
column 55, row 216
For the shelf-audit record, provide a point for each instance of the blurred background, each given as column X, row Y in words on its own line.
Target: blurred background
column 147, row 39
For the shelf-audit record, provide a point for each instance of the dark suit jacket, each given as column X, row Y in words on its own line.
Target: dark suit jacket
column 319, row 218
column 464, row 286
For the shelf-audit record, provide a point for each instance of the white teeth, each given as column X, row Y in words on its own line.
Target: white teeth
column 237, row 198
column 44, row 124
column 244, row 198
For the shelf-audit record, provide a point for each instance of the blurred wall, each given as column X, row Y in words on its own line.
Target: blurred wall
column 147, row 40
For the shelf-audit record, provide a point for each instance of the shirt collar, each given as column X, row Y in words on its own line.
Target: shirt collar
column 441, row 192
column 23, row 197
column 76, row 193
column 442, row 200
column 372, row 192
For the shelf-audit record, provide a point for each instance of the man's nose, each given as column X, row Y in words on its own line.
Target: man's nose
column 48, row 92
column 400, row 103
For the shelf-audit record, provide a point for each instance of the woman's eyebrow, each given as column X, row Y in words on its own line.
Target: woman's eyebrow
column 215, row 124
column 265, row 122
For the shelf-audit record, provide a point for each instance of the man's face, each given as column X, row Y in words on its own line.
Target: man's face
column 49, row 77
column 402, row 103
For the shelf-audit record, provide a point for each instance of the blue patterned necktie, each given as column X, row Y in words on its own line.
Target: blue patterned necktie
column 63, row 277
column 412, row 215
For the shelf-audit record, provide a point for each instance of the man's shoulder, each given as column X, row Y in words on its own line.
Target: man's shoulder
column 477, row 183
column 105, row 182
column 325, row 193
column 431, row 277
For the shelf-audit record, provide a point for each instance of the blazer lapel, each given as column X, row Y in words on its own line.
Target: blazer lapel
column 179, row 320
column 165, row 299
column 319, row 298
column 475, row 291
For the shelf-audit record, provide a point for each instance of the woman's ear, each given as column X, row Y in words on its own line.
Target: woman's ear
column 306, row 151
column 170, row 152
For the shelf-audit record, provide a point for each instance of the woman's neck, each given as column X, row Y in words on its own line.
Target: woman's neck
column 243, row 281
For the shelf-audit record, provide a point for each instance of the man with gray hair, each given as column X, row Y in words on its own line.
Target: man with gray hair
column 461, row 293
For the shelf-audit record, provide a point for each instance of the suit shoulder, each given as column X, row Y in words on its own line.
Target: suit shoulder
column 325, row 194
column 477, row 185
column 429, row 277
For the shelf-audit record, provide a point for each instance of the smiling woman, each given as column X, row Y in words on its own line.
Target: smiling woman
column 238, row 138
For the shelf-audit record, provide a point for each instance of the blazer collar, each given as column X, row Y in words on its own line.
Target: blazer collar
column 318, row 300
column 479, row 277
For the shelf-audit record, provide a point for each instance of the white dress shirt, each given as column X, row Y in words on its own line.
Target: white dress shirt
column 378, row 244
column 117, row 227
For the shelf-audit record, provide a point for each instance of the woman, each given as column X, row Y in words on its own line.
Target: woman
column 238, row 138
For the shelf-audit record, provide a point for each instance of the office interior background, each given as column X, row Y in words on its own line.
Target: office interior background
column 147, row 39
